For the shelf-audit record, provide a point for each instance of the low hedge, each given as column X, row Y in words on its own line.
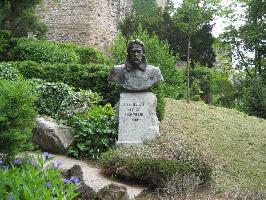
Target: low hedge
column 56, row 52
column 155, row 163
column 42, row 51
column 92, row 77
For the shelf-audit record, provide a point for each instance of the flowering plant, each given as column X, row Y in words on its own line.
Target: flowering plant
column 32, row 179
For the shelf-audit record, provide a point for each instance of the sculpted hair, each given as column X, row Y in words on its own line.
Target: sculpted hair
column 136, row 41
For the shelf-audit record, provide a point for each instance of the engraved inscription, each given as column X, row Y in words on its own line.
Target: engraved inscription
column 134, row 110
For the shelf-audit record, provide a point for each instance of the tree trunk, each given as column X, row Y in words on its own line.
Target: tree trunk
column 188, row 65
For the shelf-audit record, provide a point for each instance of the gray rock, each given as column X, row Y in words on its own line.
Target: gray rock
column 113, row 192
column 137, row 118
column 85, row 191
column 51, row 136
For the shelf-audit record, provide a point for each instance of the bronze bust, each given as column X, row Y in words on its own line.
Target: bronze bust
column 136, row 74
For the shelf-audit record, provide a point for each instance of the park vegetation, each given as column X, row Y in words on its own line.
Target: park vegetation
column 209, row 142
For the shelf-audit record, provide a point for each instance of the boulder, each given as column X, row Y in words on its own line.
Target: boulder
column 52, row 137
column 113, row 192
column 85, row 191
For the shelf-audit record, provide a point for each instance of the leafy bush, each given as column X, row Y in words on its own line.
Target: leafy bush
column 5, row 44
column 156, row 162
column 17, row 115
column 94, row 131
column 212, row 87
column 42, row 51
column 60, row 101
column 252, row 99
column 88, row 54
column 8, row 72
column 87, row 77
column 28, row 178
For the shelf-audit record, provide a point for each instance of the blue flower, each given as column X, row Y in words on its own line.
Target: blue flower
column 48, row 185
column 47, row 155
column 35, row 189
column 74, row 179
column 11, row 198
column 17, row 162
column 66, row 180
column 2, row 162
column 58, row 164
column 4, row 167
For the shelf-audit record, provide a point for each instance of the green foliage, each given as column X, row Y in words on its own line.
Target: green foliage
column 42, row 51
column 156, row 162
column 162, row 23
column 88, row 54
column 29, row 178
column 19, row 17
column 211, row 86
column 17, row 115
column 60, row 101
column 5, row 44
column 252, row 97
column 8, row 72
column 248, row 39
column 94, row 131
column 87, row 77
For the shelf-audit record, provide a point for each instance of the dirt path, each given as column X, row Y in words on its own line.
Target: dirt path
column 93, row 177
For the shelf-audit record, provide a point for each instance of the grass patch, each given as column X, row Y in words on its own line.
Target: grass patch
column 232, row 143
column 211, row 142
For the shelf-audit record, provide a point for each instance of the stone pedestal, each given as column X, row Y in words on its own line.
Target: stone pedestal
column 137, row 118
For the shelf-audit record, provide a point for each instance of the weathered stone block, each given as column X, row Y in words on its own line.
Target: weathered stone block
column 137, row 118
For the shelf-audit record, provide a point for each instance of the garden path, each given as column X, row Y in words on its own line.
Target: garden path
column 93, row 176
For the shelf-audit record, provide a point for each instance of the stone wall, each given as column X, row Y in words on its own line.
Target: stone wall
column 92, row 22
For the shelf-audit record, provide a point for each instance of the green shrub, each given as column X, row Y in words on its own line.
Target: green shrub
column 5, row 45
column 88, row 54
column 252, row 99
column 8, row 72
column 94, row 131
column 60, row 101
column 29, row 178
column 42, row 51
column 87, row 77
column 17, row 115
column 155, row 163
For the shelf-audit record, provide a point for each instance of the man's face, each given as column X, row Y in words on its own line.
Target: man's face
column 135, row 55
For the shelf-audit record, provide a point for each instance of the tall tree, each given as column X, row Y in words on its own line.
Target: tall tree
column 161, row 22
column 190, row 17
column 248, row 40
column 19, row 17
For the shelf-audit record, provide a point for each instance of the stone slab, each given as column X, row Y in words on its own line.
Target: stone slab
column 137, row 118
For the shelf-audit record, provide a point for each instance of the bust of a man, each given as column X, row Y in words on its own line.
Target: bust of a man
column 136, row 74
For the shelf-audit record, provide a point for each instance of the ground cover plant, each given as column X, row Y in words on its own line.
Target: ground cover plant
column 31, row 178
column 232, row 142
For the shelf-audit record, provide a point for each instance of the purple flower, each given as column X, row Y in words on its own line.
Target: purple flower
column 74, row 179
column 66, row 180
column 4, row 167
column 48, row 185
column 11, row 198
column 47, row 155
column 2, row 162
column 17, row 162
column 34, row 189
column 58, row 164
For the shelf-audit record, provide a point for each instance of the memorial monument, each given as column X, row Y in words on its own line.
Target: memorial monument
column 137, row 106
